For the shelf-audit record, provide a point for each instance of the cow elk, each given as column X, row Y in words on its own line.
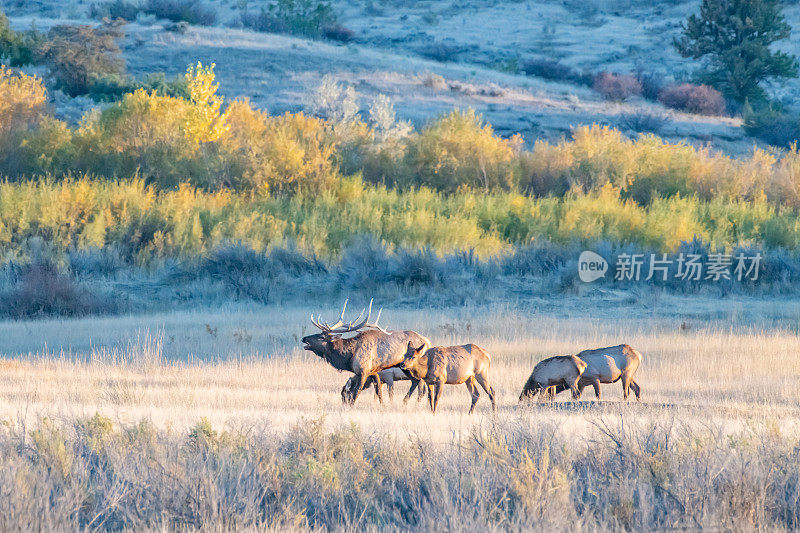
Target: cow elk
column 564, row 370
column 371, row 351
column 609, row 365
column 451, row 365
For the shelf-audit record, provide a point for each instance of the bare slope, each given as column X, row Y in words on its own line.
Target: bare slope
column 276, row 71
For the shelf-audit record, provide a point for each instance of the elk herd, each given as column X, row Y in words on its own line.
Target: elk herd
column 378, row 357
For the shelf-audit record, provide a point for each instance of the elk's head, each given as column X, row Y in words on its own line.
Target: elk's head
column 412, row 357
column 320, row 343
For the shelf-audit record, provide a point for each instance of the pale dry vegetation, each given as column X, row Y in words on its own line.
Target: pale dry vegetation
column 218, row 420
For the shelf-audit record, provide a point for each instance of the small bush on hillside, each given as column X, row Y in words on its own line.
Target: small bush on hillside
column 772, row 125
column 418, row 267
column 652, row 83
column 699, row 99
column 644, row 122
column 79, row 55
column 537, row 259
column 364, row 265
column 95, row 262
column 440, row 51
column 117, row 9
column 459, row 150
column 18, row 49
column 553, row 70
column 300, row 17
column 189, row 11
column 337, row 32
column 617, row 87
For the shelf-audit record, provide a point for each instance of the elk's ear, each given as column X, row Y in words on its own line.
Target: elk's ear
column 418, row 350
column 409, row 347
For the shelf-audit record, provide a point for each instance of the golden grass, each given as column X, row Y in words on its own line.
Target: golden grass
column 245, row 366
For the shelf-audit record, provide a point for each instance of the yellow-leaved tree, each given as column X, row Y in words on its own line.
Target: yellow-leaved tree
column 205, row 121
column 163, row 138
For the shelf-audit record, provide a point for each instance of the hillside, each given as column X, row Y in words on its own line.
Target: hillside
column 479, row 44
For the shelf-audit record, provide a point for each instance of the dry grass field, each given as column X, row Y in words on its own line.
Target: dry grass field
column 221, row 418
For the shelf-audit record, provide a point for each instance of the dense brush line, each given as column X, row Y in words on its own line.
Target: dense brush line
column 102, row 281
column 144, row 224
column 88, row 474
column 209, row 143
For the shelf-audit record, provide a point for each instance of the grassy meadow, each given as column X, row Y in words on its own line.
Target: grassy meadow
column 215, row 419
column 159, row 260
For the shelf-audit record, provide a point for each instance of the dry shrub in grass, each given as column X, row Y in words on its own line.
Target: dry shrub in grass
column 553, row 70
column 77, row 55
column 44, row 291
column 623, row 476
column 617, row 86
column 338, row 32
column 699, row 99
column 652, row 83
column 644, row 122
column 440, row 51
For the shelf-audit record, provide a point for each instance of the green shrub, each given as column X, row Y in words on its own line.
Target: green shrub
column 772, row 125
column 18, row 49
column 301, row 17
column 189, row 11
column 116, row 9
column 113, row 87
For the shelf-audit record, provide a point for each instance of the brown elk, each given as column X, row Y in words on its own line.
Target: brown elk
column 564, row 370
column 372, row 350
column 609, row 365
column 452, row 365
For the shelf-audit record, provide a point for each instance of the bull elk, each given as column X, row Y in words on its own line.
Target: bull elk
column 371, row 351
column 563, row 370
column 609, row 365
column 451, row 365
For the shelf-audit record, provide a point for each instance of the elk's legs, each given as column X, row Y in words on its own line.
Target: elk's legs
column 488, row 388
column 414, row 385
column 636, row 390
column 472, row 387
column 437, row 394
column 360, row 381
column 596, row 386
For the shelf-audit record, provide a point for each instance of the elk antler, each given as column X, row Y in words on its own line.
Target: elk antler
column 375, row 324
column 354, row 325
